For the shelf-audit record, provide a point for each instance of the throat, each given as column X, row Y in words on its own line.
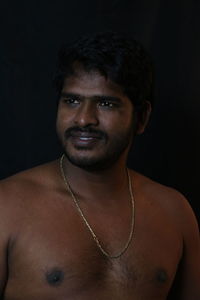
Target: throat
column 86, row 184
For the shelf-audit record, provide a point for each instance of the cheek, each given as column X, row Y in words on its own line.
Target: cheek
column 58, row 121
column 60, row 124
column 119, row 129
column 63, row 119
column 120, row 122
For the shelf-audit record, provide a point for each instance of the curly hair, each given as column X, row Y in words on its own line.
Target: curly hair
column 117, row 57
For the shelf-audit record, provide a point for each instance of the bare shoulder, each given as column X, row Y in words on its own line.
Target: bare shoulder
column 19, row 189
column 37, row 176
column 170, row 200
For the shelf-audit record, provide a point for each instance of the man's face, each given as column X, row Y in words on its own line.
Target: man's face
column 95, row 121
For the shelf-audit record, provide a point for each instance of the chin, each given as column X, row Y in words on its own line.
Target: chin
column 96, row 158
column 91, row 163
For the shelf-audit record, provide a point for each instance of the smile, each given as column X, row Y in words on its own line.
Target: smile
column 86, row 138
column 84, row 141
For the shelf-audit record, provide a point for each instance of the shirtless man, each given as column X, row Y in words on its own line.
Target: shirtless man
column 83, row 226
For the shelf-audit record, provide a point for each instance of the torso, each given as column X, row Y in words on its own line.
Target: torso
column 53, row 256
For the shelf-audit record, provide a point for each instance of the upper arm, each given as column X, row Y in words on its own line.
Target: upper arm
column 3, row 265
column 189, row 268
column 3, row 256
column 5, row 219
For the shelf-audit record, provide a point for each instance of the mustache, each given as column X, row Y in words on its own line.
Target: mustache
column 73, row 131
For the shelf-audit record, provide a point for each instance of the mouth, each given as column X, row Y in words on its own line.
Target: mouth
column 85, row 135
column 84, row 139
column 89, row 138
column 84, row 143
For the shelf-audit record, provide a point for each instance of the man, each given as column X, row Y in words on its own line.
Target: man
column 83, row 226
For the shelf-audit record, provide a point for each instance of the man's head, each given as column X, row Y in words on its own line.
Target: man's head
column 117, row 57
column 104, row 85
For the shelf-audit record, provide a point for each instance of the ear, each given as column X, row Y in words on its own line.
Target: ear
column 144, row 118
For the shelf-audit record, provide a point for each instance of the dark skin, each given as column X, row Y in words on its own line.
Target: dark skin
column 47, row 252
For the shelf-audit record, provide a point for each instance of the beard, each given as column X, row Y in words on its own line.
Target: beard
column 104, row 154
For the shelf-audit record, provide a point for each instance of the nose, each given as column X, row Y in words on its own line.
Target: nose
column 86, row 115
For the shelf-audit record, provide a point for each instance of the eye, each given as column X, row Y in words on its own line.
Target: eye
column 107, row 104
column 71, row 101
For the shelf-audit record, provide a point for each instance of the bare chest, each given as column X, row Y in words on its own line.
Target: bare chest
column 56, row 257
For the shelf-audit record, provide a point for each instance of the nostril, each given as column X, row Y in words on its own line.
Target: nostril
column 86, row 117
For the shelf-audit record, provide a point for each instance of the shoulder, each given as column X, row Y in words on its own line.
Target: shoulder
column 38, row 176
column 171, row 201
column 18, row 190
column 154, row 190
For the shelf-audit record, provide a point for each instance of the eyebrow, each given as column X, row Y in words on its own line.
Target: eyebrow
column 95, row 97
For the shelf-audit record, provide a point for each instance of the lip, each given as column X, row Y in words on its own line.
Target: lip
column 86, row 138
column 84, row 141
column 85, row 135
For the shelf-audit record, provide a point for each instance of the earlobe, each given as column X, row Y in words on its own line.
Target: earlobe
column 144, row 118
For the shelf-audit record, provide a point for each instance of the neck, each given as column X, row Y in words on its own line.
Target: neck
column 96, row 184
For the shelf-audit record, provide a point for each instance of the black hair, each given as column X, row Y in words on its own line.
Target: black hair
column 117, row 57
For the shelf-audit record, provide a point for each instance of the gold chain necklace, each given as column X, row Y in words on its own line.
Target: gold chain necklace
column 88, row 225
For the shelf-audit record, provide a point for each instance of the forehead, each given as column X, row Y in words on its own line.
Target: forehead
column 90, row 84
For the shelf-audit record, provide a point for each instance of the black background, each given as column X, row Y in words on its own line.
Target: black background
column 31, row 34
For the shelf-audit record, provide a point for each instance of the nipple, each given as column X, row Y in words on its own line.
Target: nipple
column 161, row 276
column 54, row 277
